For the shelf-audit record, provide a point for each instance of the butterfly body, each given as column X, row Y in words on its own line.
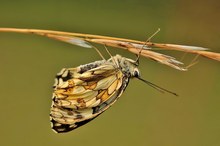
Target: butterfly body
column 82, row 93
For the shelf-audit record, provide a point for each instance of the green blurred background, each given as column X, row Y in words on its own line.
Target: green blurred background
column 143, row 116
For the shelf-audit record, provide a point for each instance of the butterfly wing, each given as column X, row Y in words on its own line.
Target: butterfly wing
column 81, row 94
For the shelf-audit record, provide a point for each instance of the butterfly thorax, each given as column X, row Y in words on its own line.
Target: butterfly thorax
column 126, row 65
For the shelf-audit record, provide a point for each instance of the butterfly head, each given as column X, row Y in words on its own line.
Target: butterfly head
column 128, row 66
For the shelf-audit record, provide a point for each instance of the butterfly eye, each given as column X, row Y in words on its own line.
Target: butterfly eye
column 136, row 73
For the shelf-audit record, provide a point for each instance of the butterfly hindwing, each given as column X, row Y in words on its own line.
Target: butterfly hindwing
column 81, row 94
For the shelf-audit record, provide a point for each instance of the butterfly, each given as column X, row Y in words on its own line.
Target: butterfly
column 84, row 92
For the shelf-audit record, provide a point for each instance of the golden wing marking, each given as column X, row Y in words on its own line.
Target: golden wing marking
column 130, row 45
column 105, row 83
column 112, row 87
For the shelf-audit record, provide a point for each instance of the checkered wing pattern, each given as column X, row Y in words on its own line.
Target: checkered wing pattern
column 81, row 94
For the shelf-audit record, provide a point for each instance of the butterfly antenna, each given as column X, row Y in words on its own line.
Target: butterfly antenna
column 158, row 88
column 145, row 44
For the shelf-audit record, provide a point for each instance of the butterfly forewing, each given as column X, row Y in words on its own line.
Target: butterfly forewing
column 82, row 93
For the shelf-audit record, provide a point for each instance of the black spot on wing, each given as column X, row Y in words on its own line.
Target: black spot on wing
column 83, row 122
column 67, row 77
column 62, row 128
column 99, row 108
